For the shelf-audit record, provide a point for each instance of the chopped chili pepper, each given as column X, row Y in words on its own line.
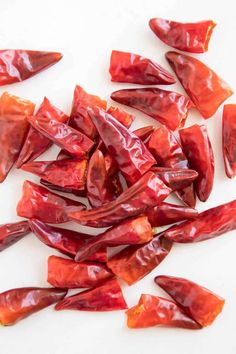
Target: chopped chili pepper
column 38, row 202
column 10, row 104
column 202, row 305
column 175, row 178
column 144, row 132
column 197, row 147
column 189, row 37
column 77, row 192
column 157, row 311
column 106, row 297
column 12, row 233
column 167, row 107
column 129, row 67
column 204, row 87
column 229, row 139
column 123, row 117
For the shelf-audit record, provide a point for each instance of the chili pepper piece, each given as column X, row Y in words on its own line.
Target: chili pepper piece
column 77, row 192
column 202, row 305
column 12, row 233
column 175, row 178
column 144, row 132
column 10, row 104
column 123, row 117
column 229, row 139
column 204, row 87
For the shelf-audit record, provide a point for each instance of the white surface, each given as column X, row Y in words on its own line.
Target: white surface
column 86, row 32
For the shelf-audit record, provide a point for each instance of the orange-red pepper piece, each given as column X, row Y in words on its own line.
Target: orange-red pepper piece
column 229, row 139
column 12, row 233
column 122, row 116
column 10, row 104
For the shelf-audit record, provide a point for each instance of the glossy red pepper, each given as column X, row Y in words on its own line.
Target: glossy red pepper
column 189, row 37
column 106, row 297
column 204, row 87
column 129, row 67
column 12, row 233
column 144, row 132
column 133, row 231
column 17, row 304
column 157, row 311
column 38, row 202
column 17, row 64
column 77, row 192
column 197, row 147
column 135, row 262
column 122, row 116
column 167, row 107
column 229, row 139
column 10, row 104
column 175, row 178
column 68, row 274
column 209, row 224
column 199, row 303
column 147, row 192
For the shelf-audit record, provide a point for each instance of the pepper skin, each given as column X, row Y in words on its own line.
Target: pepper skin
column 106, row 297
column 12, row 233
column 167, row 107
column 78, row 192
column 38, row 202
column 199, row 303
column 175, row 178
column 147, row 192
column 135, row 262
column 197, row 147
column 229, row 139
column 209, row 224
column 65, row 241
column 17, row 304
column 189, row 37
column 122, row 116
column 204, row 87
column 17, row 65
column 144, row 132
column 10, row 104
column 157, row 311
column 129, row 67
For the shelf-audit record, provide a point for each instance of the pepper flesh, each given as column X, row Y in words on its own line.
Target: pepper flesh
column 10, row 104
column 199, row 303
column 175, row 178
column 204, row 87
column 229, row 139
column 12, row 233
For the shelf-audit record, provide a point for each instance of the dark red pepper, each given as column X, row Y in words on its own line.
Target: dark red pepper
column 77, row 192
column 144, row 132
column 12, row 233
column 10, row 104
column 122, row 116
column 229, row 139
column 175, row 178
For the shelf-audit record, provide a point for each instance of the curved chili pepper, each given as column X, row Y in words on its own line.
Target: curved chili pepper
column 10, row 104
column 38, row 202
column 147, row 192
column 204, row 87
column 229, row 139
column 197, row 147
column 157, row 311
column 12, row 233
column 167, row 107
column 209, row 224
column 106, row 297
column 122, row 116
column 202, row 305
column 189, row 37
column 129, row 67
column 175, row 178
column 77, row 192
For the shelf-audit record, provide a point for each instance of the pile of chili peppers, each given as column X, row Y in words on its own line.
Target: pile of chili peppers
column 98, row 147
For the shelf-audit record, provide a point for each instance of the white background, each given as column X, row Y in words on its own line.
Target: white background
column 86, row 32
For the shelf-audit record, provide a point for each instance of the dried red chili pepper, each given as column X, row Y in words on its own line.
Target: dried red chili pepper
column 123, row 117
column 65, row 241
column 17, row 64
column 147, row 192
column 10, row 104
column 144, row 132
column 129, row 67
column 229, row 139
column 106, row 297
column 209, row 224
column 135, row 262
column 68, row 274
column 157, row 311
column 78, row 193
column 167, row 107
column 189, row 37
column 133, row 231
column 197, row 147
column 204, row 87
column 38, row 202
column 17, row 304
column 12, row 233
column 202, row 305
column 175, row 178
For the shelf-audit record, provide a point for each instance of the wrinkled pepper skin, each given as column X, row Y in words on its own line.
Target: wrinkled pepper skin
column 204, row 87
column 158, row 311
column 175, row 178
column 197, row 147
column 17, row 65
column 10, row 104
column 147, row 192
column 12, row 233
column 67, row 274
column 135, row 262
column 189, row 37
column 77, row 192
column 122, row 116
column 209, row 224
column 229, row 139
column 133, row 68
column 133, row 231
column 17, row 304
column 66, row 241
column 199, row 303
column 167, row 107
column 106, row 297
column 37, row 202
column 144, row 132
